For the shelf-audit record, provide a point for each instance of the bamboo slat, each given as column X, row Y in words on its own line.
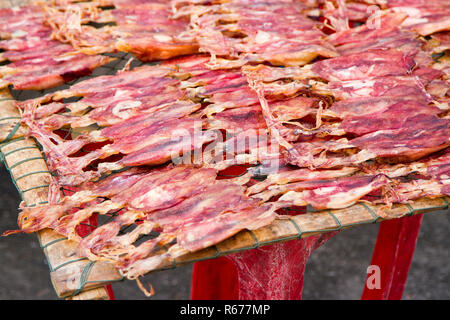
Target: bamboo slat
column 94, row 294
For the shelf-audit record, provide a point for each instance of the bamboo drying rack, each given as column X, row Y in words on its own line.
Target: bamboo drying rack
column 78, row 278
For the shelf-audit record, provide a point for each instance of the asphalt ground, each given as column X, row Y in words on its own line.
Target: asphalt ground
column 336, row 270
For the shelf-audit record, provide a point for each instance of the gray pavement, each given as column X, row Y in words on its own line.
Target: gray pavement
column 334, row 271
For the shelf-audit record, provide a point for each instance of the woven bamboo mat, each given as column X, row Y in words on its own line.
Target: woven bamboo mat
column 76, row 277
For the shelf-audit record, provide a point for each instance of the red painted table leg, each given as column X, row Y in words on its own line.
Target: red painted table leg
column 214, row 279
column 273, row 272
column 393, row 254
column 110, row 292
